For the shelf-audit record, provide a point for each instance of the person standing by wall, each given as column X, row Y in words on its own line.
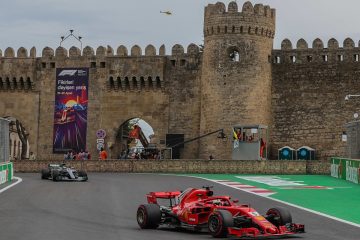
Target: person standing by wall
column 32, row 156
column 103, row 154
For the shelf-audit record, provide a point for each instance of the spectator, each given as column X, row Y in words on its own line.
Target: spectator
column 68, row 156
column 238, row 134
column 103, row 154
column 32, row 156
column 87, row 155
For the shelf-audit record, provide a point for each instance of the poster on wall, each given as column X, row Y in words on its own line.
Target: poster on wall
column 71, row 104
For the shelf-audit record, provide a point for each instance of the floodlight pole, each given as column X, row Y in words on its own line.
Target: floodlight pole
column 63, row 38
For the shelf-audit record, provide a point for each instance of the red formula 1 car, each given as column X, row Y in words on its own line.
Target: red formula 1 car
column 198, row 209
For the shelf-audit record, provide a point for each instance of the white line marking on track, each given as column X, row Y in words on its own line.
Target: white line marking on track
column 19, row 180
column 286, row 203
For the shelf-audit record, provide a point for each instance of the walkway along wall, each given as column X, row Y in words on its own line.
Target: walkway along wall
column 187, row 166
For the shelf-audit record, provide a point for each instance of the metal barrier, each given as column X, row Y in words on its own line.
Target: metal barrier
column 347, row 169
column 4, row 140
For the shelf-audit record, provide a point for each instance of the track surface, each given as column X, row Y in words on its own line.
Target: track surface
column 104, row 208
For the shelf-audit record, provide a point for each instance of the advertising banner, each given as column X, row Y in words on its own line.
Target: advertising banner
column 347, row 169
column 6, row 172
column 71, row 104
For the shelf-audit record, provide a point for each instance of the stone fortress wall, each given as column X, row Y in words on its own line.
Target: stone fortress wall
column 154, row 87
column 299, row 92
column 308, row 94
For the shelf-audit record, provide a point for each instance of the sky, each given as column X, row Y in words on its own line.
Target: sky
column 41, row 23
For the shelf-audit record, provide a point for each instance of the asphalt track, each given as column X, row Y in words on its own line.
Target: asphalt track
column 104, row 209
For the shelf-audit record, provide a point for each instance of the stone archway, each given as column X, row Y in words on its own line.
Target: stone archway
column 132, row 136
column 18, row 137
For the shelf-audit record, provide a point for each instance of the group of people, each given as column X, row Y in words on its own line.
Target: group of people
column 82, row 155
column 144, row 154
column 238, row 135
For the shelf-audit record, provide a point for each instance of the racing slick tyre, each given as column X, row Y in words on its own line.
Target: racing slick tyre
column 83, row 175
column 279, row 216
column 45, row 173
column 56, row 175
column 148, row 216
column 219, row 222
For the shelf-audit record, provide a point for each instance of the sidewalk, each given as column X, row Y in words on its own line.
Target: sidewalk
column 325, row 194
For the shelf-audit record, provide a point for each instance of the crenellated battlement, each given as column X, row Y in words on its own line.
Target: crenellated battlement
column 318, row 53
column 253, row 20
column 101, row 52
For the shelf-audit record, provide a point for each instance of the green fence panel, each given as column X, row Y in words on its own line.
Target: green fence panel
column 6, row 172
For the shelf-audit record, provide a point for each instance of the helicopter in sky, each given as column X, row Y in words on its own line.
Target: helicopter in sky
column 166, row 12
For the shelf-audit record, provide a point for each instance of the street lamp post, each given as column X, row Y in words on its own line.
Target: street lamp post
column 63, row 38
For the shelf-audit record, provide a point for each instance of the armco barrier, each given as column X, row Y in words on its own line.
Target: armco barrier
column 347, row 169
column 186, row 166
column 6, row 172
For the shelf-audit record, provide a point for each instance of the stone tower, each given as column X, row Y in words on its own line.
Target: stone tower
column 236, row 72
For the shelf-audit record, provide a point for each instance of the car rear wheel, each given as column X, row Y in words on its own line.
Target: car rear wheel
column 45, row 173
column 219, row 222
column 279, row 216
column 148, row 216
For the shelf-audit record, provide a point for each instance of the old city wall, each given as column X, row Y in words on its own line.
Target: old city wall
column 161, row 89
column 308, row 92
column 19, row 97
column 183, row 73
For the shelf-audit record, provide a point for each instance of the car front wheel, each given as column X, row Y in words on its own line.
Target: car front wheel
column 219, row 222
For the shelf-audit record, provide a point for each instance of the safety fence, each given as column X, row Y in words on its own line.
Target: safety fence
column 347, row 169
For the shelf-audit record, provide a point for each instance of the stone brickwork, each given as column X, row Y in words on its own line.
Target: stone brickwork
column 237, row 78
column 187, row 166
column 309, row 89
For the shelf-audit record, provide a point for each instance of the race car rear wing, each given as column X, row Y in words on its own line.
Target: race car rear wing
column 153, row 196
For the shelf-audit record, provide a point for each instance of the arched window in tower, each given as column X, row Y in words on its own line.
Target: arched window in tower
column 134, row 83
column 118, row 83
column 233, row 54
column 127, row 84
column 158, row 82
column 241, row 29
column 233, row 29
column 28, row 84
column 14, row 83
column 111, row 83
column 22, row 84
column 150, row 82
column 1, row 84
column 142, row 83
column 225, row 29
column 7, row 83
